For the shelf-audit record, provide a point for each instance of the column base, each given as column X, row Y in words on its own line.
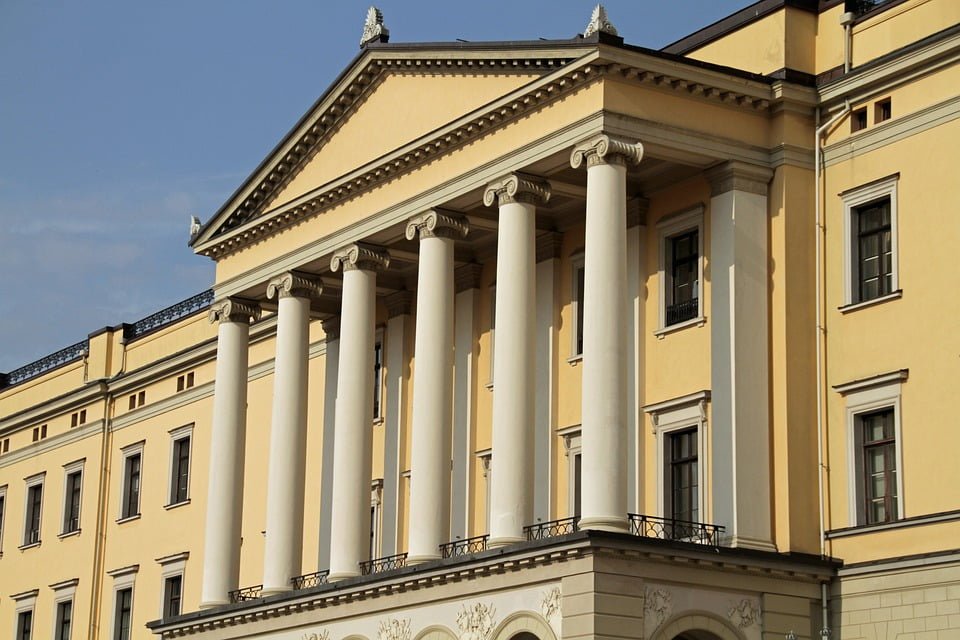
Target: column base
column 421, row 558
column 269, row 591
column 604, row 523
column 744, row 542
column 213, row 604
column 503, row 541
column 342, row 575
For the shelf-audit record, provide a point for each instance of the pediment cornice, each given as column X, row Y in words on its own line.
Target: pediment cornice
column 244, row 220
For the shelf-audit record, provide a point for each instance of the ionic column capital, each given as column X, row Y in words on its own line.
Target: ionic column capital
column 294, row 284
column 738, row 176
column 517, row 187
column 331, row 328
column 437, row 223
column 234, row 310
column 602, row 149
column 360, row 256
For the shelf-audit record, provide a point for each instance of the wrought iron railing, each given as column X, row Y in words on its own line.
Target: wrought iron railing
column 247, row 593
column 310, row 579
column 683, row 311
column 680, row 530
column 552, row 528
column 380, row 565
column 171, row 314
column 464, row 547
column 44, row 364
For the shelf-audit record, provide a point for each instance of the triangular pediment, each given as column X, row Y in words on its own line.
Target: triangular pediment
column 388, row 98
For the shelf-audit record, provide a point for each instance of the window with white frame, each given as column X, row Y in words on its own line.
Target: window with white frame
column 181, row 442
column 378, row 355
column 123, row 583
column 72, row 494
column 870, row 241
column 63, row 596
column 874, row 460
column 3, row 514
column 24, row 605
column 680, row 427
column 376, row 508
column 485, row 457
column 572, row 447
column 131, row 480
column 681, row 268
column 576, row 302
column 172, row 568
column 34, row 510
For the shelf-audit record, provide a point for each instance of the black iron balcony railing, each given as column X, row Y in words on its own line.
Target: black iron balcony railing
column 683, row 311
column 380, row 565
column 552, row 528
column 679, row 530
column 247, row 593
column 308, row 580
column 464, row 547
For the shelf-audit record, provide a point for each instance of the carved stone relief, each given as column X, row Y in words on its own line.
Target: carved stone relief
column 550, row 605
column 657, row 603
column 745, row 613
column 323, row 634
column 476, row 621
column 394, row 629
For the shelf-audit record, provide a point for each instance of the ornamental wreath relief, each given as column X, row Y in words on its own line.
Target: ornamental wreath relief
column 394, row 629
column 476, row 621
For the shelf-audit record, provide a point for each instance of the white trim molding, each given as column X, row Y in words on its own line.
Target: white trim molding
column 853, row 200
column 68, row 469
column 670, row 226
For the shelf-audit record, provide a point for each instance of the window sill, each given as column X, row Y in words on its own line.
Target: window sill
column 853, row 306
column 575, row 360
column 129, row 518
column 69, row 534
column 24, row 547
column 174, row 505
column 699, row 321
column 488, row 386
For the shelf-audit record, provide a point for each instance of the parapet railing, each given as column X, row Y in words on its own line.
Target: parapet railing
column 247, row 593
column 169, row 315
column 44, row 364
column 464, row 547
column 308, row 580
column 552, row 528
column 678, row 530
column 380, row 565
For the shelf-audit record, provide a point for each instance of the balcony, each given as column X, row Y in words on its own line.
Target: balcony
column 682, row 311
column 310, row 580
column 552, row 528
column 676, row 530
column 380, row 565
column 246, row 593
column 464, row 547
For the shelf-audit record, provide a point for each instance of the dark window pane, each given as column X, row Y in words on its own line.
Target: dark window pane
column 879, row 466
column 172, row 594
column 683, row 463
column 64, row 615
column 121, row 626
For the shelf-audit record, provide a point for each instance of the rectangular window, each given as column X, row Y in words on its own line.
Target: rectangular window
column 870, row 247
column 131, row 486
column 39, row 433
column 71, row 507
column 185, row 381
column 64, row 619
column 24, row 625
column 172, row 595
column 577, row 483
column 5, row 445
column 77, row 418
column 180, row 473
column 31, row 529
column 879, row 466
column 683, row 476
column 858, row 120
column 576, row 299
column 684, row 278
column 3, row 505
column 121, row 620
column 378, row 376
column 883, row 110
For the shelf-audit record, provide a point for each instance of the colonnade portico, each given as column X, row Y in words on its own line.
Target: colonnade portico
column 347, row 482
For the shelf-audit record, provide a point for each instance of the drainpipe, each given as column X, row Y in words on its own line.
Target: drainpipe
column 821, row 330
column 824, row 613
column 846, row 21
column 100, row 533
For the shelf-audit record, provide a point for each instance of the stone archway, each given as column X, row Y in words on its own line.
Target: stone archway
column 698, row 625
column 436, row 632
column 524, row 625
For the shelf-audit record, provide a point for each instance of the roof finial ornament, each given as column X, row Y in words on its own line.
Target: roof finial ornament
column 599, row 23
column 373, row 29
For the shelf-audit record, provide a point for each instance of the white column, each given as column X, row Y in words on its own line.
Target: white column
column 396, row 360
column 548, row 253
column 432, row 384
column 283, row 548
column 740, row 338
column 350, row 516
column 221, row 557
column 331, row 329
column 511, row 502
column 605, row 326
column 466, row 283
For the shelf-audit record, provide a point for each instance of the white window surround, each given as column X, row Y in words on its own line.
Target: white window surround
column 64, row 592
column 123, row 578
column 852, row 199
column 125, row 453
column 3, row 515
column 677, row 414
column 668, row 227
column 485, row 457
column 176, row 435
column 576, row 299
column 68, row 469
column 376, row 504
column 572, row 446
column 171, row 566
column 24, row 602
column 864, row 396
column 380, row 378
column 32, row 481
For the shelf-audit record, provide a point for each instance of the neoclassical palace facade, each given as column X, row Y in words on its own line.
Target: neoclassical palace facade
column 537, row 340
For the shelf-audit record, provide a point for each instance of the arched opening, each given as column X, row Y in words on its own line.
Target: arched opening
column 524, row 635
column 697, row 625
column 696, row 634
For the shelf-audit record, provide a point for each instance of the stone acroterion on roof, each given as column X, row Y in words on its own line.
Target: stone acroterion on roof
column 373, row 27
column 599, row 23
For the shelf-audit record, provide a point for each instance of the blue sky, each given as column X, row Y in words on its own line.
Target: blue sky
column 120, row 119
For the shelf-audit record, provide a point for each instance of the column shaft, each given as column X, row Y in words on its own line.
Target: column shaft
column 288, row 437
column 221, row 558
